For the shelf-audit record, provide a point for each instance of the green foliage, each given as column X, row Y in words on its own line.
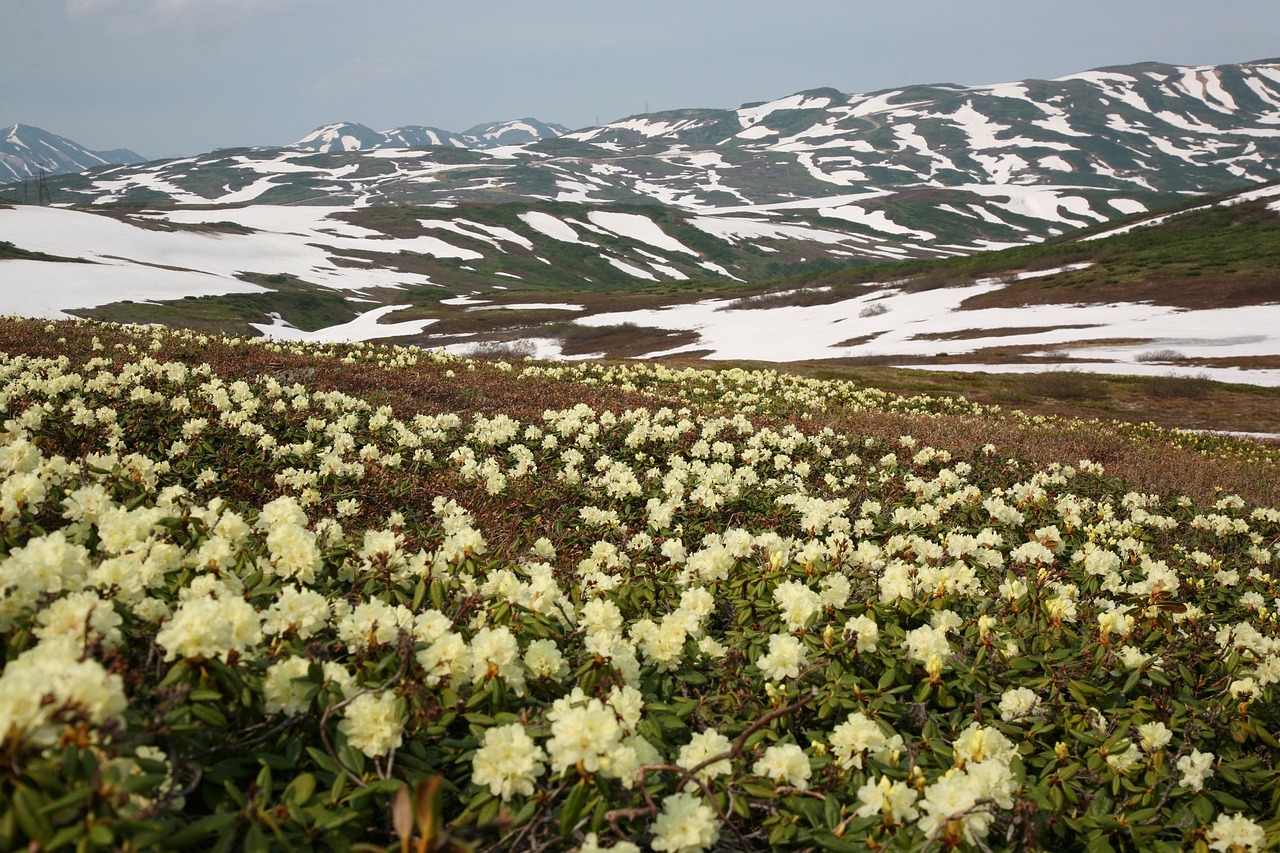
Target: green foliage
column 1027, row 656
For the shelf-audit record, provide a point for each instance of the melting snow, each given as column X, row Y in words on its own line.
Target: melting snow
column 365, row 327
column 630, row 269
column 545, row 223
column 639, row 228
column 51, row 290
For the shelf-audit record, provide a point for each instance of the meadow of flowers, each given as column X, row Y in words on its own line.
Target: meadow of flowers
column 246, row 609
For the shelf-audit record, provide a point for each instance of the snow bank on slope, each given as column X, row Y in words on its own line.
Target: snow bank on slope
column 363, row 328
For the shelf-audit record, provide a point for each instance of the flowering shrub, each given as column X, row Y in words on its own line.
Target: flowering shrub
column 244, row 612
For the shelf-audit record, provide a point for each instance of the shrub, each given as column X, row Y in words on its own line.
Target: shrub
column 1173, row 386
column 1064, row 385
column 501, row 350
column 1159, row 355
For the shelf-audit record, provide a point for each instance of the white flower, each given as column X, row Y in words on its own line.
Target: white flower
column 446, row 657
column 859, row 735
column 783, row 660
column 544, row 660
column 1018, row 703
column 495, row 653
column 82, row 616
column 282, row 690
column 508, row 761
column 1195, row 768
column 686, row 825
column 785, row 762
column 836, row 590
column 1235, row 833
column 982, row 743
column 863, row 631
column 894, row 800
column 1126, row 761
column 374, row 723
column 702, row 746
column 303, row 611
column 927, row 645
column 211, row 628
column 796, row 602
column 1132, row 658
column 952, row 811
column 583, row 733
column 44, row 681
column 592, row 845
column 294, row 552
column 1154, row 736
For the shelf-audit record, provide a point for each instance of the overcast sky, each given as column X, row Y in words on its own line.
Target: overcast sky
column 174, row 77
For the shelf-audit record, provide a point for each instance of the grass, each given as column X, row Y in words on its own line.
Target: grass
column 8, row 251
column 305, row 306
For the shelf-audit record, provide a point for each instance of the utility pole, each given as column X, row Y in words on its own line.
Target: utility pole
column 42, row 189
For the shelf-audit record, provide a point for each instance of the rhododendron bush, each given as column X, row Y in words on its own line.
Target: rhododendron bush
column 246, row 612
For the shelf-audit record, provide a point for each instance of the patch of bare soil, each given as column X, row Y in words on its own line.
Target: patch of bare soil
column 1244, row 362
column 1002, row 332
column 1197, row 292
column 1035, row 353
column 859, row 341
column 626, row 341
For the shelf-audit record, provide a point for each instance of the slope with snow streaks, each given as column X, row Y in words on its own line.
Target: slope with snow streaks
column 27, row 152
column 940, row 168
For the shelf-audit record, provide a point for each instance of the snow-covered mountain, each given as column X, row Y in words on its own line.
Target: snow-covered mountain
column 1152, row 126
column 346, row 136
column 920, row 171
column 25, row 151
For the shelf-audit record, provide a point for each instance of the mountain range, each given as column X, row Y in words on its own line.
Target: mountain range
column 346, row 136
column 920, row 171
column 26, row 152
column 474, row 239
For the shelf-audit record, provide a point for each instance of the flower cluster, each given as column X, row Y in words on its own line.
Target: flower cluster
column 277, row 599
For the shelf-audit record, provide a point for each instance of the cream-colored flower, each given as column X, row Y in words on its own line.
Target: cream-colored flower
column 786, row 763
column 783, row 660
column 206, row 627
column 1195, row 769
column 508, row 761
column 895, row 801
column 1235, row 833
column 374, row 723
column 1018, row 704
column 282, row 690
column 704, row 745
column 685, row 825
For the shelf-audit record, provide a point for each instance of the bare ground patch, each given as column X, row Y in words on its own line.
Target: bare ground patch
column 859, row 341
column 1244, row 362
column 1083, row 287
column 1003, row 332
column 623, row 341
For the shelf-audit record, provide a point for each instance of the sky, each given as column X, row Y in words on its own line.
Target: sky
column 169, row 78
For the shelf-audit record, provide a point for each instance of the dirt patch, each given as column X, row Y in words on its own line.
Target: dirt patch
column 1082, row 287
column 859, row 341
column 625, row 341
column 1244, row 362
column 1003, row 332
column 1036, row 353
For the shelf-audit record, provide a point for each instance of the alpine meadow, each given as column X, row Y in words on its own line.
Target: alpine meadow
column 892, row 471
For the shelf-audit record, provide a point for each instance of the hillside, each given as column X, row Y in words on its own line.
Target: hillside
column 347, row 136
column 921, row 171
column 1187, row 292
column 437, row 601
column 26, row 152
